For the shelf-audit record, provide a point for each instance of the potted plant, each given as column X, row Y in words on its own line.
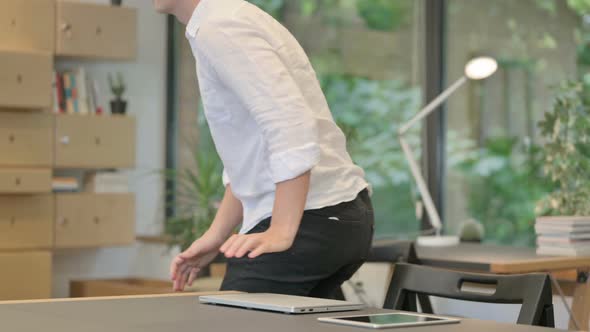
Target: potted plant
column 566, row 129
column 118, row 105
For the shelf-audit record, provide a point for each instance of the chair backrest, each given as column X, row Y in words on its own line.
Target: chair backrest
column 533, row 291
column 393, row 251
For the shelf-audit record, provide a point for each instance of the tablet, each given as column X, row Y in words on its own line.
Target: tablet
column 389, row 320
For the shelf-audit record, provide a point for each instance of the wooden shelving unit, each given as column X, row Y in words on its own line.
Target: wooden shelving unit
column 34, row 142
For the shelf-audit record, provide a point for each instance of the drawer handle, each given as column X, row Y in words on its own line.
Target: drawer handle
column 97, row 140
column 63, row 222
column 13, row 22
column 67, row 28
column 12, row 221
column 96, row 220
column 19, row 78
column 17, row 181
column 65, row 140
column 11, row 138
column 98, row 30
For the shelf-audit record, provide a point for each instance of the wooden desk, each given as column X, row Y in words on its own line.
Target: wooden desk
column 512, row 260
column 164, row 313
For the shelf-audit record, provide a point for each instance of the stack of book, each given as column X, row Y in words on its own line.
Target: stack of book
column 64, row 184
column 563, row 236
column 74, row 91
column 106, row 182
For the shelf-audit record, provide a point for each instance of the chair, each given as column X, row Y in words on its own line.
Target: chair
column 393, row 252
column 533, row 291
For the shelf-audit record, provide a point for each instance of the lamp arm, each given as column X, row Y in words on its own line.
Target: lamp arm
column 433, row 104
column 422, row 188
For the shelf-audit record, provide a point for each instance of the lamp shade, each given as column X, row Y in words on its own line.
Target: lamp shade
column 480, row 68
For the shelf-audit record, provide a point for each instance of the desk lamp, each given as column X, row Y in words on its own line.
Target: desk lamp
column 477, row 69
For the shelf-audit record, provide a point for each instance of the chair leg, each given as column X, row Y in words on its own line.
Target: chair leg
column 425, row 304
column 338, row 294
column 547, row 317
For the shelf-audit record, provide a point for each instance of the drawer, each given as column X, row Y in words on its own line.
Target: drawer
column 94, row 141
column 18, row 181
column 26, row 139
column 25, row 275
column 90, row 30
column 25, row 79
column 94, row 220
column 26, row 222
column 28, row 24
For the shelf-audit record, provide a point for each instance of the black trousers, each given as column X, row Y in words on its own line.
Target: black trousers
column 330, row 245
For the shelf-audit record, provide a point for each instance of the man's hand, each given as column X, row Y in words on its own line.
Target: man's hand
column 186, row 265
column 288, row 208
column 273, row 240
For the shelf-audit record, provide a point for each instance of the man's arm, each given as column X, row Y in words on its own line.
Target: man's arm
column 185, row 267
column 289, row 204
column 228, row 217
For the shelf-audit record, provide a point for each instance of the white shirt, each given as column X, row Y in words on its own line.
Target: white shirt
column 267, row 114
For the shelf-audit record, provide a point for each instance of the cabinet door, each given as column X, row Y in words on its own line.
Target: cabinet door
column 25, row 79
column 26, row 139
column 26, row 222
column 95, row 141
column 94, row 220
column 27, row 25
column 25, row 275
column 25, row 181
column 91, row 30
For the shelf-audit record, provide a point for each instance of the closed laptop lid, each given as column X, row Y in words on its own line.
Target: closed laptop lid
column 278, row 302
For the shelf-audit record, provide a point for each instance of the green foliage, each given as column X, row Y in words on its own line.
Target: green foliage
column 566, row 129
column 505, row 181
column 198, row 192
column 272, row 7
column 117, row 86
column 370, row 112
column 581, row 7
column 384, row 15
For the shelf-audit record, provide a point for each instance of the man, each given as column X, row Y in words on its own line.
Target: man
column 306, row 217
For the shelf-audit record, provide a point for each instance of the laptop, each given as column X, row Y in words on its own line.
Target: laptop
column 281, row 303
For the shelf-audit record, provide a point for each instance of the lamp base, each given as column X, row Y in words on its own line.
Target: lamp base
column 438, row 240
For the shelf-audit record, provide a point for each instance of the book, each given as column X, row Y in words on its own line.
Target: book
column 557, row 251
column 97, row 97
column 107, row 182
column 64, row 184
column 564, row 236
column 577, row 244
column 563, row 220
column 91, row 95
column 566, row 229
column 60, row 92
column 82, row 94
column 54, row 92
column 570, row 223
column 74, row 87
column 68, row 93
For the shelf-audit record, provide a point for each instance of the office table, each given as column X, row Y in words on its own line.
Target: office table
column 182, row 312
column 513, row 260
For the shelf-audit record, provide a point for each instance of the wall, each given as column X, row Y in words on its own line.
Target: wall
column 146, row 94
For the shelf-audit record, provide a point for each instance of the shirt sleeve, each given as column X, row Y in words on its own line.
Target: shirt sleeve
column 225, row 178
column 248, row 65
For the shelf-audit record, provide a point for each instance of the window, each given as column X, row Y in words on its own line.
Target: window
column 494, row 174
column 368, row 57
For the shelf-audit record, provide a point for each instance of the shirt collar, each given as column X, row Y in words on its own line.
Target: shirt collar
column 197, row 17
